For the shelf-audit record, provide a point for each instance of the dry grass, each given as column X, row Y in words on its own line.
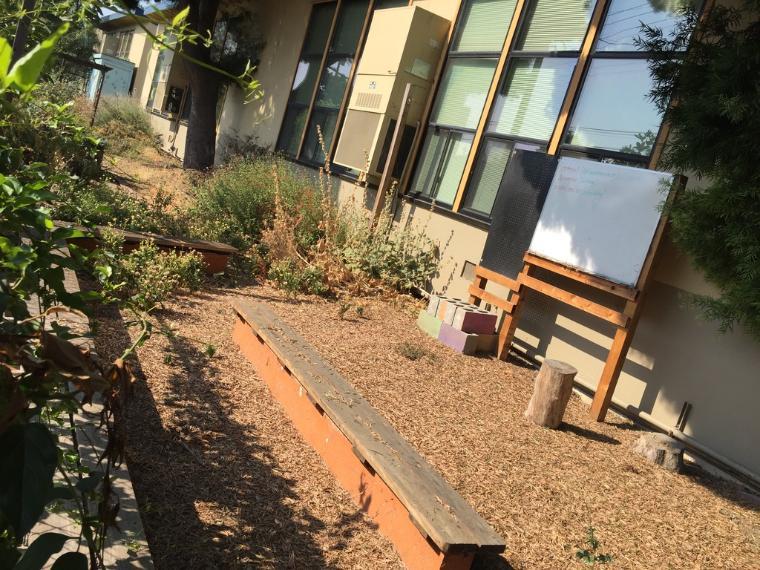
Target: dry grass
column 222, row 478
column 540, row 489
column 148, row 170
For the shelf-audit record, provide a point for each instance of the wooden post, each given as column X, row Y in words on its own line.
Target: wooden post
column 390, row 162
column 551, row 392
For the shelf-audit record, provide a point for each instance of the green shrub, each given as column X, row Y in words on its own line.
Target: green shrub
column 125, row 125
column 293, row 278
column 152, row 276
column 397, row 256
column 97, row 203
column 237, row 202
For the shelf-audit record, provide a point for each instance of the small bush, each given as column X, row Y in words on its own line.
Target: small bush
column 152, row 276
column 237, row 202
column 292, row 278
column 125, row 125
column 411, row 351
column 97, row 203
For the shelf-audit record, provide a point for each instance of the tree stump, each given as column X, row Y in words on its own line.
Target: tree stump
column 551, row 392
column 661, row 450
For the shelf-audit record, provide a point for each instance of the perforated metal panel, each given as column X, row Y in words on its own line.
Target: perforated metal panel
column 516, row 210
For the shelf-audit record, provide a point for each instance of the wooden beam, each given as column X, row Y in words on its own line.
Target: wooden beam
column 605, row 313
column 390, row 161
column 480, row 294
column 492, row 91
column 490, row 275
column 575, row 80
column 509, row 322
column 623, row 337
column 617, row 289
column 314, row 91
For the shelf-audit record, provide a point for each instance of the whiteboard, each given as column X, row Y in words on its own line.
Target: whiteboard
column 601, row 218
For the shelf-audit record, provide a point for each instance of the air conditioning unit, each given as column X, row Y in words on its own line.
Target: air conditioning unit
column 403, row 47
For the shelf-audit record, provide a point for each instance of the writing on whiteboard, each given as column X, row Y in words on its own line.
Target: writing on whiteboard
column 600, row 217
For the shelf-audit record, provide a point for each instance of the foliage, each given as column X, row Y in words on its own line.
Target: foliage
column 235, row 204
column 590, row 555
column 149, row 276
column 124, row 125
column 44, row 376
column 98, row 203
column 411, row 350
column 292, row 277
column 715, row 122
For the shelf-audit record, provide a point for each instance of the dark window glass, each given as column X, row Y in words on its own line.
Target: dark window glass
column 307, row 74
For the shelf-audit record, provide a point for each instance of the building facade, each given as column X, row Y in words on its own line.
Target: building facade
column 565, row 77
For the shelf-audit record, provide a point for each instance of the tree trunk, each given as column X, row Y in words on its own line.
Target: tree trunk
column 551, row 392
column 22, row 32
column 661, row 450
column 200, row 145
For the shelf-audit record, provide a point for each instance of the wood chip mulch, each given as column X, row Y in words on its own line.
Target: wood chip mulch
column 224, row 480
column 540, row 489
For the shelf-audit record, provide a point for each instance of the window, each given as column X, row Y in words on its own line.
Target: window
column 160, row 77
column 118, row 44
column 531, row 93
column 613, row 112
column 321, row 80
column 467, row 78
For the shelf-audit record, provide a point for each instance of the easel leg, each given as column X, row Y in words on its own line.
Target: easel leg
column 509, row 325
column 611, row 373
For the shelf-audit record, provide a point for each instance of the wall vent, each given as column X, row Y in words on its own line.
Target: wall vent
column 368, row 100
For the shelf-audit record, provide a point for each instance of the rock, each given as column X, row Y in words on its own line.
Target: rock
column 661, row 450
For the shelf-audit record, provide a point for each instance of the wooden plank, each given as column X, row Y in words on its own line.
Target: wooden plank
column 390, row 161
column 575, row 80
column 490, row 275
column 491, row 95
column 629, row 293
column 480, row 284
column 509, row 322
column 441, row 512
column 610, row 315
column 488, row 297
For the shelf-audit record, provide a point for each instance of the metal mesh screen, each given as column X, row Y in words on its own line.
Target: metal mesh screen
column 516, row 210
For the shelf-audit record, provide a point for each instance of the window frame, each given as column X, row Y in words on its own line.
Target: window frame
column 513, row 55
column 428, row 123
column 312, row 106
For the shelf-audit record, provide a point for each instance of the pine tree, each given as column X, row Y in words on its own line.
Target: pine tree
column 712, row 76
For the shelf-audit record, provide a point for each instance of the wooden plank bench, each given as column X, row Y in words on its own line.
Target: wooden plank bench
column 430, row 524
column 215, row 254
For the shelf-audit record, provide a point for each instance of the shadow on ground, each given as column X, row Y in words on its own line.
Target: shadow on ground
column 209, row 489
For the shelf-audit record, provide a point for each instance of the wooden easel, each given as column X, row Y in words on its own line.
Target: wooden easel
column 625, row 320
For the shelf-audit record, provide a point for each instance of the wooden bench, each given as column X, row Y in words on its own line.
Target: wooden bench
column 215, row 254
column 430, row 524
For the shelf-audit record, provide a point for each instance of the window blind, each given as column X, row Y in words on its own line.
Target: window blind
column 530, row 100
column 556, row 25
column 486, row 179
column 441, row 164
column 432, row 150
column 484, row 25
column 453, row 165
column 463, row 92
